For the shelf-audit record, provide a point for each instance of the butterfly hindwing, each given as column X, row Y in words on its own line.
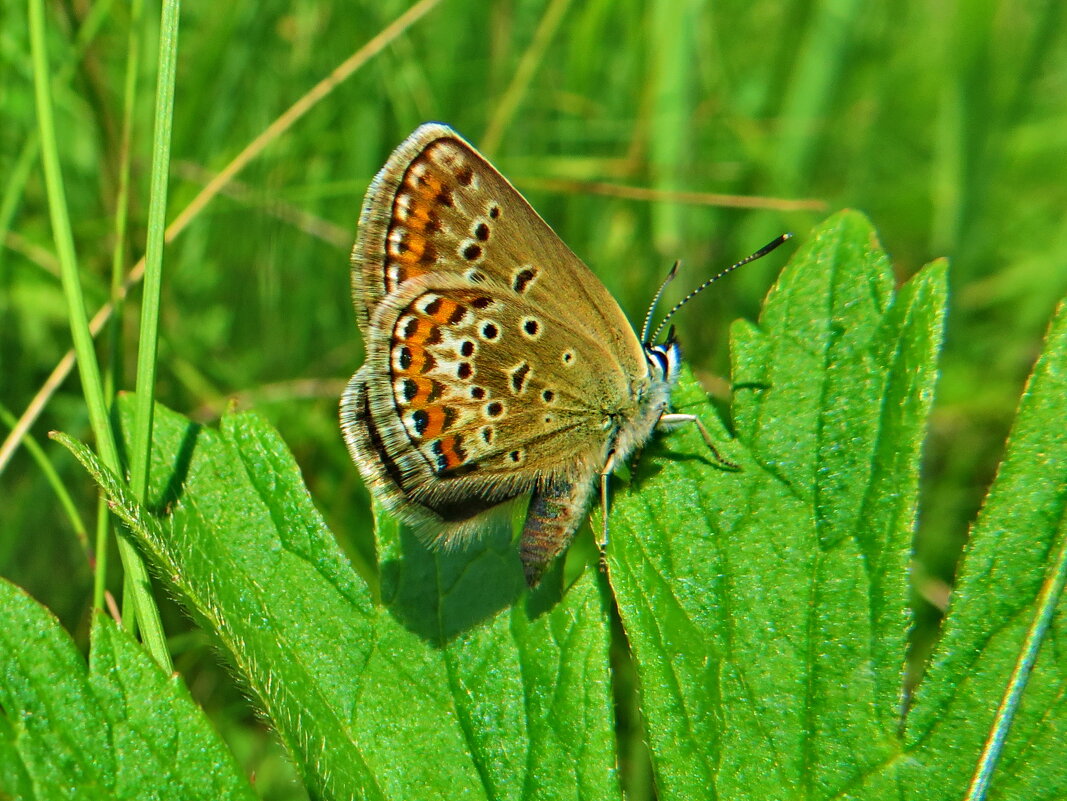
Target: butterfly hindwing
column 480, row 393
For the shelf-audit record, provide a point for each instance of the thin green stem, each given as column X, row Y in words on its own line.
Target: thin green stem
column 54, row 481
column 524, row 73
column 88, row 368
column 15, row 179
column 113, row 369
column 148, row 344
column 1047, row 601
column 103, row 529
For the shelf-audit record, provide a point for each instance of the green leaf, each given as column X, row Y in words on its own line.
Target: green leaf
column 448, row 686
column 766, row 607
column 768, row 617
column 1022, row 527
column 120, row 729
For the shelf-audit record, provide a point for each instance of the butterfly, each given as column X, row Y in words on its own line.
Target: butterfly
column 497, row 364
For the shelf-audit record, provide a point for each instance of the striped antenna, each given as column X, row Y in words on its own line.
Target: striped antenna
column 655, row 300
column 759, row 254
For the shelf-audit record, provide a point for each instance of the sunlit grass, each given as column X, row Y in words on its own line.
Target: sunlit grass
column 946, row 127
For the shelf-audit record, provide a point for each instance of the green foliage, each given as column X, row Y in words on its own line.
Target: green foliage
column 769, row 617
column 449, row 684
column 767, row 608
column 1016, row 543
column 123, row 729
column 942, row 122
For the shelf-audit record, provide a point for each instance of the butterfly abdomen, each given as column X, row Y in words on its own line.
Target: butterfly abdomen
column 556, row 510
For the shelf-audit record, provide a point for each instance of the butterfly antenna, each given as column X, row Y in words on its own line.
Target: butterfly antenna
column 759, row 254
column 655, row 300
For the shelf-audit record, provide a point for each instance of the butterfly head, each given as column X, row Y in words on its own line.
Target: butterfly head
column 664, row 360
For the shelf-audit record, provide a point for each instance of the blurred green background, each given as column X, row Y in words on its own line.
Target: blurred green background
column 946, row 122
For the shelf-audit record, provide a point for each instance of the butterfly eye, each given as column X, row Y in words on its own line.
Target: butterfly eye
column 663, row 360
column 657, row 361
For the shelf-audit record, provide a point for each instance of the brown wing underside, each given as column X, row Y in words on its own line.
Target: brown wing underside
column 439, row 208
column 492, row 351
column 483, row 381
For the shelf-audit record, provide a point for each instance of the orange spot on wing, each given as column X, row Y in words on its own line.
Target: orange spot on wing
column 413, row 248
column 435, row 423
column 419, row 211
column 423, row 224
column 445, row 311
column 424, row 333
column 450, row 451
column 426, row 391
column 421, row 361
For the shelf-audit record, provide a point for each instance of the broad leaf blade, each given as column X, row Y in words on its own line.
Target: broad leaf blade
column 447, row 688
column 1021, row 527
column 768, row 617
column 122, row 729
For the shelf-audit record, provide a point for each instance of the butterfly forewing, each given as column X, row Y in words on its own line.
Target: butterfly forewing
column 439, row 208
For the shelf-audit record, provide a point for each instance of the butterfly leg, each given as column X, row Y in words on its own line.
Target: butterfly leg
column 672, row 420
column 605, row 476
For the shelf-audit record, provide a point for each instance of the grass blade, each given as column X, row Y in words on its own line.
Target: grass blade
column 148, row 344
column 89, row 369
